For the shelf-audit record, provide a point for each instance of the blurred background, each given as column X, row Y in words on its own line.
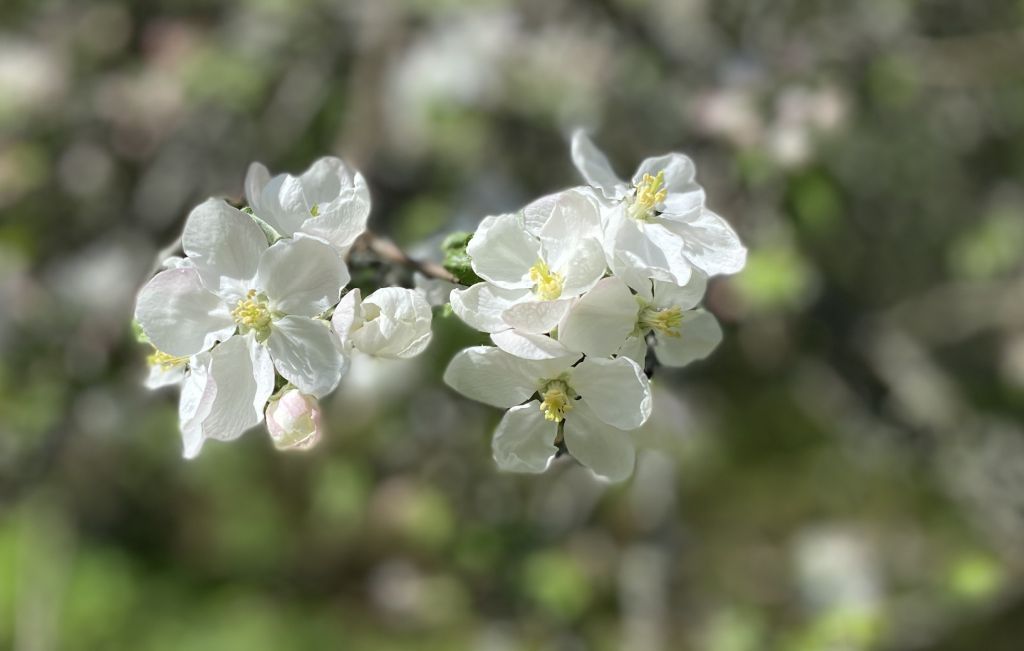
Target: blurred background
column 845, row 473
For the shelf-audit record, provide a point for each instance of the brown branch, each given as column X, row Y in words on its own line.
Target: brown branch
column 387, row 250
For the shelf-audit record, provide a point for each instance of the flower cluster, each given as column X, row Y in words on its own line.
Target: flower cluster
column 248, row 321
column 578, row 287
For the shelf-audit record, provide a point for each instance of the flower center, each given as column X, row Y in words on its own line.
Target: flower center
column 663, row 321
column 650, row 193
column 548, row 284
column 556, row 400
column 164, row 361
column 315, row 210
column 253, row 313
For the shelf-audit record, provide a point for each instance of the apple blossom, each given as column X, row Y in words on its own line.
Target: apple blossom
column 657, row 226
column 329, row 200
column 611, row 319
column 531, row 278
column 591, row 405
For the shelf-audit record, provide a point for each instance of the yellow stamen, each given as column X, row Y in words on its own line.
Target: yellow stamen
column 664, row 321
column 315, row 210
column 253, row 313
column 548, row 283
column 556, row 400
column 164, row 361
column 650, row 193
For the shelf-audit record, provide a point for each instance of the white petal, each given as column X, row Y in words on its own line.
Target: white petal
column 303, row 276
column 502, row 252
column 327, row 178
column 587, row 265
column 684, row 194
column 574, row 216
column 699, row 334
column 340, row 221
column 710, row 243
column 492, row 376
column 291, row 197
column 179, row 315
column 616, row 389
column 286, row 218
column 537, row 212
column 244, row 380
column 524, row 440
column 645, row 250
column 197, row 395
column 668, row 295
column 160, row 376
column 348, row 315
column 225, row 245
column 530, row 346
column 482, row 305
column 307, row 354
column 396, row 324
column 255, row 180
column 536, row 317
column 599, row 322
column 635, row 349
column 606, row 450
column 594, row 165
column 683, row 204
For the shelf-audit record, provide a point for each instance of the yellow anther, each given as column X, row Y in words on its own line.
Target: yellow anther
column 315, row 210
column 548, row 284
column 664, row 321
column 650, row 193
column 253, row 313
column 556, row 400
column 164, row 361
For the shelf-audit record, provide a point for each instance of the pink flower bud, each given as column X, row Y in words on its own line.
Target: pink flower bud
column 293, row 421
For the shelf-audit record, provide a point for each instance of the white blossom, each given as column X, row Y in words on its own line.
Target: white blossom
column 657, row 226
column 392, row 322
column 241, row 309
column 329, row 200
column 611, row 319
column 531, row 278
column 592, row 405
column 294, row 421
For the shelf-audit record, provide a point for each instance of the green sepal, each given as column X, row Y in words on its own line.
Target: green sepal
column 140, row 336
column 456, row 260
column 268, row 230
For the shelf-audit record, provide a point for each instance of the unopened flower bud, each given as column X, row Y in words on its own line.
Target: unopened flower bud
column 293, row 420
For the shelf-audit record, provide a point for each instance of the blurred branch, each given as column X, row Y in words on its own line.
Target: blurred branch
column 388, row 251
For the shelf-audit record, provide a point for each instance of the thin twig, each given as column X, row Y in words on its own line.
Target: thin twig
column 391, row 252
